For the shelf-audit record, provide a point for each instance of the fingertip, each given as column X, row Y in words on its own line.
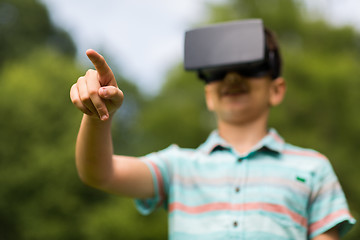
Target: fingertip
column 104, row 117
column 89, row 51
column 91, row 54
column 99, row 62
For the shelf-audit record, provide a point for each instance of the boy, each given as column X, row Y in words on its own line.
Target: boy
column 244, row 182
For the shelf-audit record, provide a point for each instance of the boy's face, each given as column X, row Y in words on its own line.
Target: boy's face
column 239, row 100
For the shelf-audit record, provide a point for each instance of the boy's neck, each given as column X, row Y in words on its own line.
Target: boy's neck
column 243, row 137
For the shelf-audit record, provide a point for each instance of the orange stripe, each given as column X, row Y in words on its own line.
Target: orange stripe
column 328, row 219
column 224, row 206
column 304, row 153
column 160, row 182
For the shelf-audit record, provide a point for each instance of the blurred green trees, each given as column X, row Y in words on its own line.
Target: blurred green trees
column 41, row 196
column 25, row 25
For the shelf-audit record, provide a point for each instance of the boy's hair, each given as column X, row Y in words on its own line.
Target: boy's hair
column 273, row 53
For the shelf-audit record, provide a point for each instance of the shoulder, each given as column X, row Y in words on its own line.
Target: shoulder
column 306, row 158
column 303, row 153
column 173, row 152
column 176, row 150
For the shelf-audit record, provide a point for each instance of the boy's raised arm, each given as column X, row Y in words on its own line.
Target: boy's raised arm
column 97, row 95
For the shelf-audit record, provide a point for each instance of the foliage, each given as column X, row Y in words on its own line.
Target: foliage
column 36, row 124
column 25, row 25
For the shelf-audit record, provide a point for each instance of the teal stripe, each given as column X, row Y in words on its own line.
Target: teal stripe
column 204, row 236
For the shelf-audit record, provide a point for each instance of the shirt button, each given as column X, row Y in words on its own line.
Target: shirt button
column 239, row 160
column 237, row 189
column 235, row 223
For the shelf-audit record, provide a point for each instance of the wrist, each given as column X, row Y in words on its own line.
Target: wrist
column 95, row 120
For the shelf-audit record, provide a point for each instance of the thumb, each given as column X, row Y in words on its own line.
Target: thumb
column 106, row 76
column 113, row 94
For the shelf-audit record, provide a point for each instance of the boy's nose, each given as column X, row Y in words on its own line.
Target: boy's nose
column 233, row 78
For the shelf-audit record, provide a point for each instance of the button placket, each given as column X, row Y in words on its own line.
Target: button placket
column 238, row 188
column 238, row 172
column 238, row 184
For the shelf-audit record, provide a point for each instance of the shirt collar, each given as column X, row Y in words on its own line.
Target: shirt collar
column 272, row 141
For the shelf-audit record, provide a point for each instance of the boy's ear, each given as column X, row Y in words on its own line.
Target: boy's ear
column 208, row 99
column 277, row 91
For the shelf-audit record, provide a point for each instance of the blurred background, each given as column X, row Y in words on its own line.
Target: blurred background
column 42, row 53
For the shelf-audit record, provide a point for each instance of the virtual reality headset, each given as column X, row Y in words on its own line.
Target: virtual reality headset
column 238, row 46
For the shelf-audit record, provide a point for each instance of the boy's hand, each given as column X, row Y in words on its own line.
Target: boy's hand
column 97, row 94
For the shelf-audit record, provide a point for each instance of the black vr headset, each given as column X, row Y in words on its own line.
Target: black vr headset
column 238, row 46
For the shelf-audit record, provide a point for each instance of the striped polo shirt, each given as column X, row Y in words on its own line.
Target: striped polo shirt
column 276, row 191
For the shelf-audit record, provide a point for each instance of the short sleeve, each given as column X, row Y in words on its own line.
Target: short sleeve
column 328, row 205
column 159, row 165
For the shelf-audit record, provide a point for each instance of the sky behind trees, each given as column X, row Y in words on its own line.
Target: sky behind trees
column 145, row 38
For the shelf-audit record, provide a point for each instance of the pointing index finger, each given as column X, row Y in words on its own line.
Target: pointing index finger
column 99, row 62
